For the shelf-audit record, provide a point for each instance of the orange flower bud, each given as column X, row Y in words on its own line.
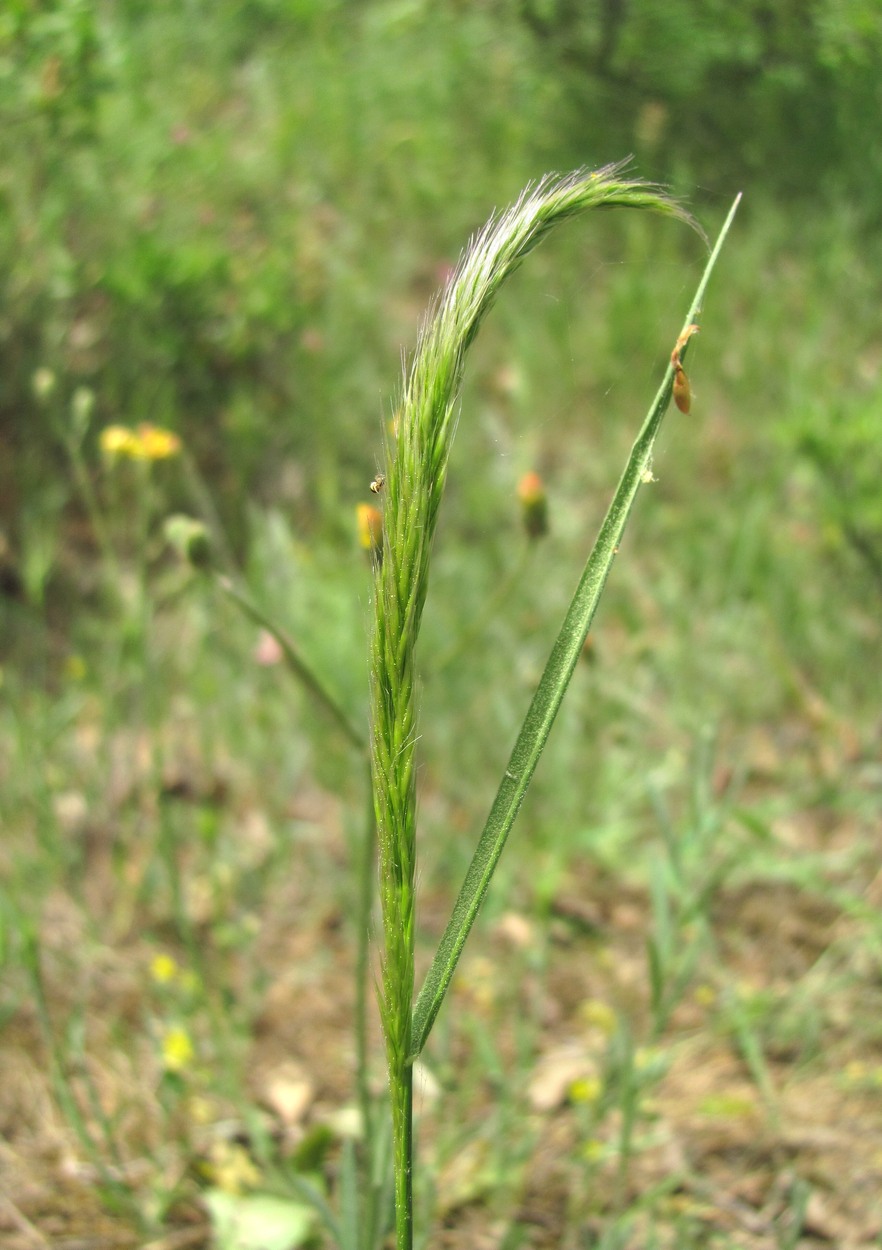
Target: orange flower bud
column 534, row 505
column 370, row 529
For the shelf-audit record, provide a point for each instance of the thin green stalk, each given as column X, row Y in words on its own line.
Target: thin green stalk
column 549, row 695
column 752, row 1053
column 294, row 660
column 402, row 1126
column 629, row 1104
column 143, row 470
column 415, row 478
column 207, row 510
column 79, row 1062
column 93, row 511
column 365, row 872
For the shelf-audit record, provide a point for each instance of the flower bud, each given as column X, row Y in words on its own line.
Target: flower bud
column 43, row 383
column 534, row 505
column 190, row 540
column 370, row 529
column 82, row 405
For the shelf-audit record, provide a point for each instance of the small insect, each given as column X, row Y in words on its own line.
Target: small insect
column 682, row 389
column 378, row 483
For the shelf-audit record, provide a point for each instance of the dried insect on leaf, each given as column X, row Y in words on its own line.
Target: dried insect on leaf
column 681, row 343
column 682, row 389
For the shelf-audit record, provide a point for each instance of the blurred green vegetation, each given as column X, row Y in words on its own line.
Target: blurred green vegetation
column 226, row 219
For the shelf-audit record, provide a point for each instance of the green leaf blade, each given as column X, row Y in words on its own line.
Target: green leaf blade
column 549, row 696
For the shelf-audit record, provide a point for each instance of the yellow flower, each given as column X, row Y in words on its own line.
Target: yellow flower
column 231, row 1168
column 118, row 440
column 163, row 969
column 201, row 1110
column 586, row 1089
column 599, row 1015
column 593, row 1150
column 156, row 443
column 148, row 442
column 177, row 1049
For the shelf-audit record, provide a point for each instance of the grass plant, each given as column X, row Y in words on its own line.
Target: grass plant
column 415, row 479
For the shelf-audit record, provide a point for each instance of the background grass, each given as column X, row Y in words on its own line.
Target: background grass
column 227, row 220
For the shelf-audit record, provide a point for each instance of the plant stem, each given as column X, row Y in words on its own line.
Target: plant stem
column 402, row 1120
column 294, row 660
column 207, row 509
column 364, row 877
column 365, row 872
column 415, row 476
column 94, row 513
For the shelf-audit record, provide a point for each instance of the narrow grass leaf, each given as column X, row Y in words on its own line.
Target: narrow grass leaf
column 549, row 693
